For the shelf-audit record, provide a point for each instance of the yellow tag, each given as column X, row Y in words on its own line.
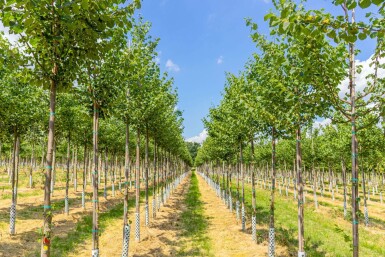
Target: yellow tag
column 45, row 247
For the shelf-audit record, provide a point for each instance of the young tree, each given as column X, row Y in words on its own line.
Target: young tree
column 59, row 35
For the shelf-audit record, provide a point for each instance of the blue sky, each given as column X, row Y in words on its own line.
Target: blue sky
column 200, row 40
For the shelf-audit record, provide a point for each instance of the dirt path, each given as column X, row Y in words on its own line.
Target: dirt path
column 159, row 239
column 227, row 238
column 163, row 236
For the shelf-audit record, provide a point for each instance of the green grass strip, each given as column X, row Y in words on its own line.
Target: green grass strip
column 324, row 236
column 194, row 223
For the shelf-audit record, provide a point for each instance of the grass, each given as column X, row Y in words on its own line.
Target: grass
column 326, row 232
column 194, row 223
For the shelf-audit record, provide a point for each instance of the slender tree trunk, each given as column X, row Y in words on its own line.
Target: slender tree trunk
column 301, row 245
column 154, row 182
column 253, row 200
column 271, row 224
column 17, row 163
column 47, row 223
column 146, row 180
column 105, row 173
column 253, row 195
column 344, row 185
column 355, row 206
column 12, row 220
column 75, row 169
column 84, row 176
column 53, row 179
column 365, row 198
column 66, row 207
column 126, row 224
column 32, row 166
column 137, row 189
column 95, row 181
column 243, row 214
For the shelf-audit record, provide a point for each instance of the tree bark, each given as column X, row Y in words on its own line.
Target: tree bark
column 301, row 243
column 146, row 175
column 354, row 142
column 95, row 181
column 47, row 216
column 12, row 220
column 66, row 208
column 137, row 188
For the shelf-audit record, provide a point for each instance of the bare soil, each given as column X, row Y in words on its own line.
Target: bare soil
column 160, row 238
column 227, row 237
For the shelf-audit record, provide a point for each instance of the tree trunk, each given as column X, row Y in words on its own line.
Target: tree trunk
column 137, row 188
column 53, row 179
column 105, row 173
column 32, row 166
column 154, row 183
column 146, row 180
column 271, row 224
column 301, row 245
column 84, row 176
column 66, row 207
column 95, row 180
column 47, row 224
column 355, row 205
column 76, row 170
column 12, row 220
column 126, row 225
column 243, row 214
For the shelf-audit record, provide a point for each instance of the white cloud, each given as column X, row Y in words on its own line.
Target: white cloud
column 361, row 81
column 171, row 66
column 198, row 139
column 321, row 123
column 220, row 60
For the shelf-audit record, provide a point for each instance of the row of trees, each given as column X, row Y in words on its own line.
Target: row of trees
column 91, row 66
column 291, row 81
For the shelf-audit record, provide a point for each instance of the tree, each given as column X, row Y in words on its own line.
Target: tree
column 59, row 35
column 193, row 149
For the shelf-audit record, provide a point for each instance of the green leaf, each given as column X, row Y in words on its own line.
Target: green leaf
column 352, row 5
column 332, row 34
column 362, row 36
column 84, row 4
column 364, row 3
